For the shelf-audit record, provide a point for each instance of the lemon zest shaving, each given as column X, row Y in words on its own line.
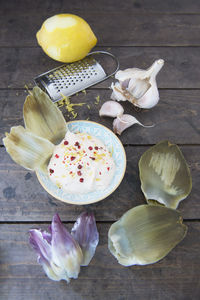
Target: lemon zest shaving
column 111, row 152
column 70, row 106
column 97, row 98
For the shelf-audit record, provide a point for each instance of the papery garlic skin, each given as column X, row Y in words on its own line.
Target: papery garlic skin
column 138, row 86
column 117, row 94
column 125, row 121
column 111, row 109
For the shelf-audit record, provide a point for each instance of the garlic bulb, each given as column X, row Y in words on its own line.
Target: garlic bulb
column 125, row 121
column 138, row 86
column 111, row 109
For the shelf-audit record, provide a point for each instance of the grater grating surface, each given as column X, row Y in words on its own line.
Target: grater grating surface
column 71, row 78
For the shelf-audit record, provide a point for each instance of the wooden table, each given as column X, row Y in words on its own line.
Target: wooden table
column 137, row 32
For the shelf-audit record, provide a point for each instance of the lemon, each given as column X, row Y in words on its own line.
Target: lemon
column 66, row 37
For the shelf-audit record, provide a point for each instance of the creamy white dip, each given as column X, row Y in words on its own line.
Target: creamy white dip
column 81, row 163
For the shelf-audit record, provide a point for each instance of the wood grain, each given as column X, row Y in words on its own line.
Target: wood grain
column 125, row 29
column 20, row 65
column 137, row 32
column 174, row 277
column 22, row 198
column 176, row 117
column 77, row 6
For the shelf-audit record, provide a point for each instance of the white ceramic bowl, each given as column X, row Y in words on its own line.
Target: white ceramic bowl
column 113, row 144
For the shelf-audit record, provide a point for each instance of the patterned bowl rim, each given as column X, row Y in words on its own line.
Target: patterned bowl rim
column 104, row 196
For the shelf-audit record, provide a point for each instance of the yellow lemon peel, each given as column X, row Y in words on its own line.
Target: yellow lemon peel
column 66, row 38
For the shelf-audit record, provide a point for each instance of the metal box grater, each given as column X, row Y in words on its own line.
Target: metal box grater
column 69, row 79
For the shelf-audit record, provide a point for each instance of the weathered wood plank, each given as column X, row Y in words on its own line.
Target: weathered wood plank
column 142, row 6
column 22, row 198
column 125, row 29
column 20, row 65
column 176, row 115
column 174, row 277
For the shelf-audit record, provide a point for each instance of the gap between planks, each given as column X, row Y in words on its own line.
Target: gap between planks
column 116, row 46
column 72, row 222
column 119, row 11
column 145, row 145
column 100, row 89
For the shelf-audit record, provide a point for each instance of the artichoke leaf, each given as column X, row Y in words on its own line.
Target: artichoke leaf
column 86, row 234
column 28, row 150
column 145, row 234
column 164, row 174
column 43, row 118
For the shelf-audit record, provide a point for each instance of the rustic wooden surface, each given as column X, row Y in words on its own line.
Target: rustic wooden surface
column 138, row 32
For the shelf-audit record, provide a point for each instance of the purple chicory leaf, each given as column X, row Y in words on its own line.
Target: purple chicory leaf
column 66, row 252
column 40, row 244
column 85, row 233
column 43, row 250
column 59, row 252
column 47, row 236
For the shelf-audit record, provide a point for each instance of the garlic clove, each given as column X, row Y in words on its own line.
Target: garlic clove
column 111, row 109
column 125, row 121
column 138, row 86
column 145, row 234
column 149, row 99
column 122, row 75
column 164, row 174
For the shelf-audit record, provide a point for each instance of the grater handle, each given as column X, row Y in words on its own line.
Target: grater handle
column 115, row 59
